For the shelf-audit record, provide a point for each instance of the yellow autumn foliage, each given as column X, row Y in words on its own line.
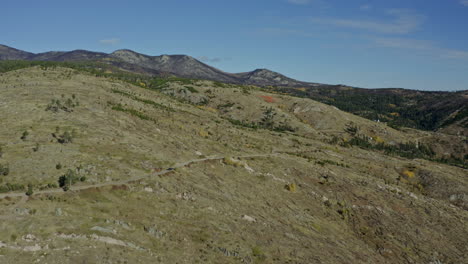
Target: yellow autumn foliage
column 291, row 187
column 408, row 173
column 379, row 139
column 203, row 133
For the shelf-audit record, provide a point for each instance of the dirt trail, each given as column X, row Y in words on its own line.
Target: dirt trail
column 126, row 181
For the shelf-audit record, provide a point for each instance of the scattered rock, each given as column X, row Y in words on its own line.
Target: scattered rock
column 249, row 218
column 148, row 189
column 185, row 196
column 29, row 238
column 36, row 247
column 154, row 232
column 22, row 211
column 123, row 224
column 102, row 229
column 228, row 253
column 58, row 212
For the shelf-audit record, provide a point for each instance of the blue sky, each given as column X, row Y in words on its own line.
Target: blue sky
column 416, row 44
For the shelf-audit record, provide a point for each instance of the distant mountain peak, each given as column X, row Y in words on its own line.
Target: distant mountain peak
column 9, row 53
column 178, row 65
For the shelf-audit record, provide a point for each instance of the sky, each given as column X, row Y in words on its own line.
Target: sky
column 414, row 44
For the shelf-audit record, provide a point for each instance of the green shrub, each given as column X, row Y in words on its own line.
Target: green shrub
column 4, row 170
column 11, row 187
column 30, row 191
column 24, row 135
column 191, row 89
column 69, row 178
column 56, row 105
column 36, row 147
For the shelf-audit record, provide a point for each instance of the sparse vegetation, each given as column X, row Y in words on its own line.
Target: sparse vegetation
column 291, row 187
column 66, row 137
column 30, row 191
column 25, row 135
column 36, row 147
column 4, row 170
column 56, row 105
column 11, row 187
column 69, row 178
column 288, row 187
column 133, row 112
column 145, row 101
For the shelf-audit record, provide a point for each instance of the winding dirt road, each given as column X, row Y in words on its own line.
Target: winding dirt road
column 123, row 182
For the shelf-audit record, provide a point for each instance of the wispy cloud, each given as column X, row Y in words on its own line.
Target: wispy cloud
column 403, row 43
column 212, row 60
column 299, row 2
column 420, row 45
column 464, row 2
column 365, row 7
column 111, row 41
column 404, row 22
column 279, row 31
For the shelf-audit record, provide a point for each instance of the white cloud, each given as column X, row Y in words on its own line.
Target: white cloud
column 421, row 45
column 464, row 2
column 111, row 41
column 404, row 22
column 278, row 31
column 403, row 43
column 367, row 7
column 299, row 2
column 212, row 60
column 454, row 54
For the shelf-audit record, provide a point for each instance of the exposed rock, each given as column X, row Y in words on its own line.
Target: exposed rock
column 58, row 212
column 102, row 229
column 248, row 218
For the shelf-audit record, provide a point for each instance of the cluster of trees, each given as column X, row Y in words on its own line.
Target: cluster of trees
column 396, row 107
column 56, row 105
column 266, row 122
column 69, row 178
column 409, row 150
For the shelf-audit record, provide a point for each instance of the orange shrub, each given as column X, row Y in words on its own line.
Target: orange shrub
column 268, row 99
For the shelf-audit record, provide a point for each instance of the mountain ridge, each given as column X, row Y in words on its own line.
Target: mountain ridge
column 178, row 65
column 399, row 107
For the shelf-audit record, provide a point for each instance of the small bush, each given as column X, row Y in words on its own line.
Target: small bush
column 55, row 105
column 66, row 137
column 291, row 187
column 36, row 147
column 68, row 179
column 4, row 170
column 191, row 89
column 232, row 162
column 258, row 253
column 30, row 191
column 58, row 166
column 24, row 135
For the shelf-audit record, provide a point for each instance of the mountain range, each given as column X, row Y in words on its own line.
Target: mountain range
column 434, row 111
column 177, row 65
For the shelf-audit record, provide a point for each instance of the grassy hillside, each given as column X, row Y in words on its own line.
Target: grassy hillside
column 397, row 107
column 445, row 112
column 189, row 171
